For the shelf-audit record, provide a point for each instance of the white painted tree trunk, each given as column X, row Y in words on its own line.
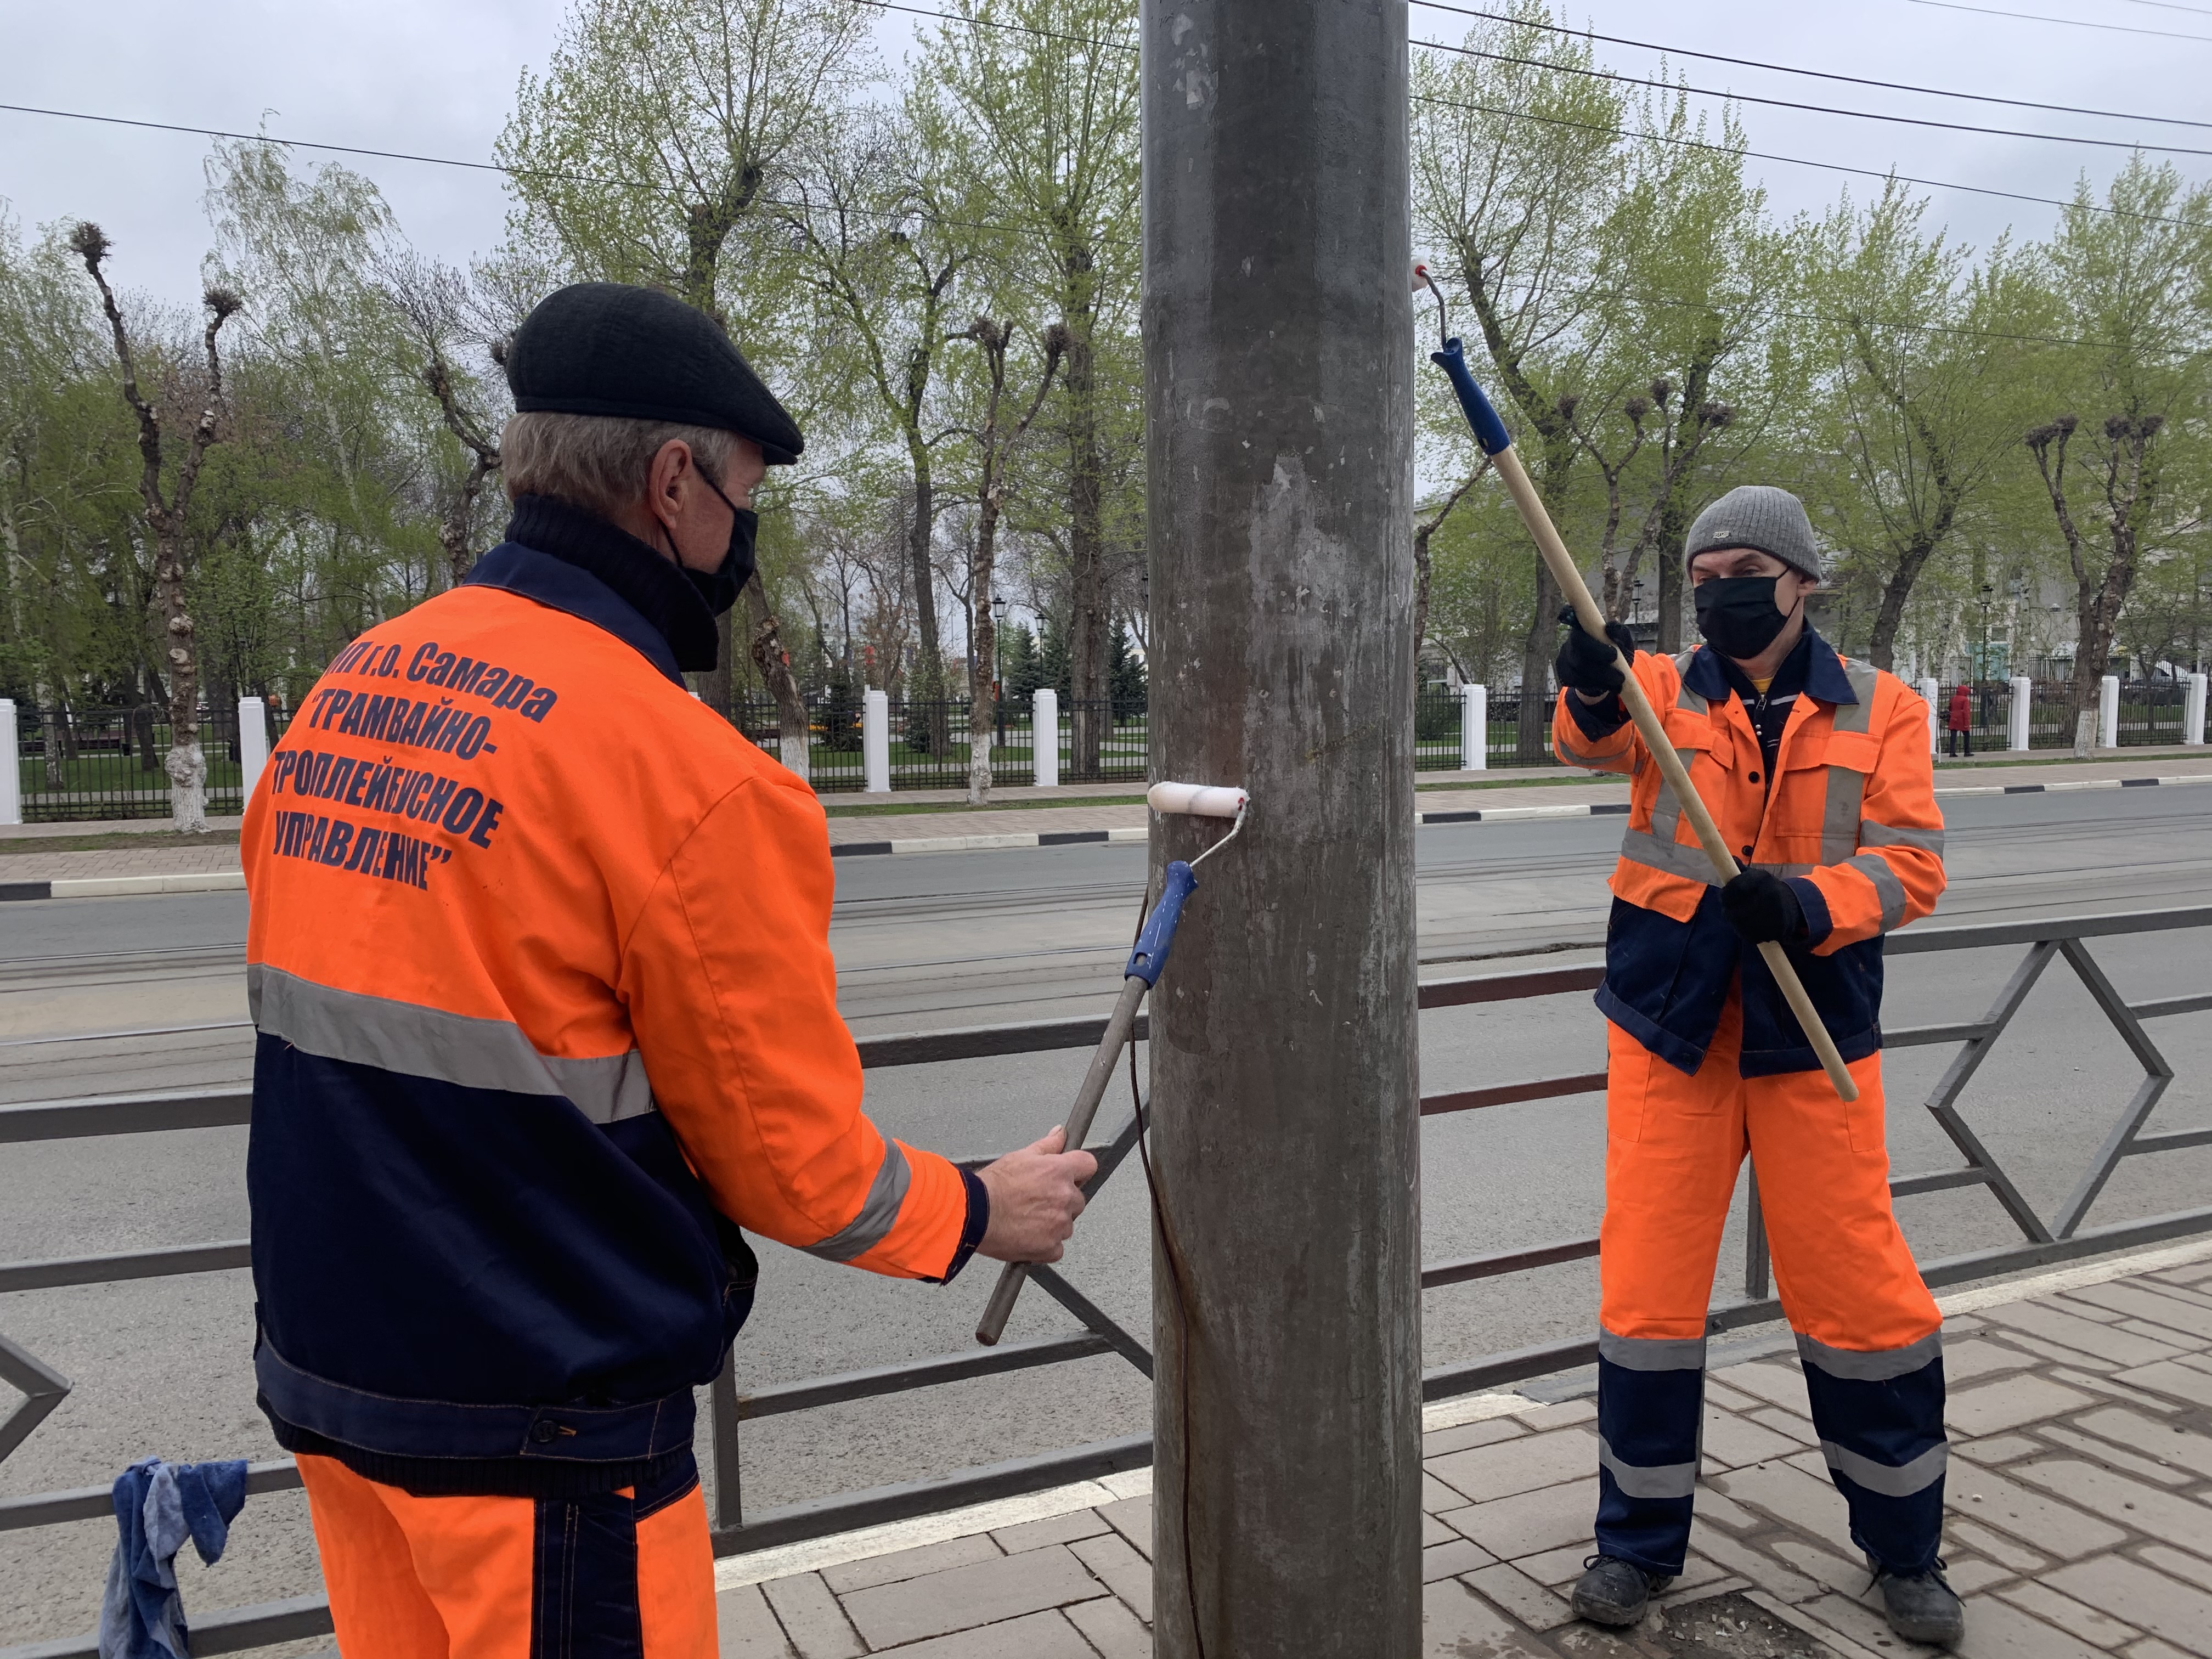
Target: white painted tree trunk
column 186, row 765
column 793, row 752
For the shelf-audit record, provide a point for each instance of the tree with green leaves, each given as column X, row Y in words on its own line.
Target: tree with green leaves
column 1048, row 89
column 1517, row 170
column 2134, row 283
column 649, row 153
column 1925, row 368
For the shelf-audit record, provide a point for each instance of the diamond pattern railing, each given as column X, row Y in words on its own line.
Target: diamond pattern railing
column 2061, row 1237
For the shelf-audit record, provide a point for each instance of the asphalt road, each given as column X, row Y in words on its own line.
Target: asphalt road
column 953, row 939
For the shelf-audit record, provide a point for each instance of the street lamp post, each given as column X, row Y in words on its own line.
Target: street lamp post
column 998, row 666
column 1983, row 670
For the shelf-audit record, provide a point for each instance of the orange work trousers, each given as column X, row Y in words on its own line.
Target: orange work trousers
column 618, row 1576
column 1869, row 1335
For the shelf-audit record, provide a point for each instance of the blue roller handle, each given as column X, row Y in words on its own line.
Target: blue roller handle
column 1157, row 939
column 1489, row 431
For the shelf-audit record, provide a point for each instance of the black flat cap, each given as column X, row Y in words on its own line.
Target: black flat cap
column 609, row 348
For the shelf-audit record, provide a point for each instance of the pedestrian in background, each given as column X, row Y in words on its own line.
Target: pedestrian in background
column 1959, row 744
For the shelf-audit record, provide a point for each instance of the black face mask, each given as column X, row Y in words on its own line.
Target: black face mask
column 720, row 587
column 1737, row 615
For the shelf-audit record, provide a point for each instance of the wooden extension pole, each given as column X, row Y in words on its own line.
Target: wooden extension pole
column 1570, row 579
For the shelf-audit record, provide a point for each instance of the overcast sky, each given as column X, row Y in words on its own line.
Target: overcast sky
column 437, row 76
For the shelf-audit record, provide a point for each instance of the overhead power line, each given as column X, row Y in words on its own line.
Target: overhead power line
column 1816, row 109
column 929, row 218
column 598, row 178
column 1815, row 74
column 1791, row 160
column 2069, row 23
column 2169, row 5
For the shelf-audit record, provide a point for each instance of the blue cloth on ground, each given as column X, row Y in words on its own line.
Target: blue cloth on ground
column 157, row 1506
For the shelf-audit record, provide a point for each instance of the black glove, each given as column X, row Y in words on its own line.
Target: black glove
column 1760, row 906
column 1585, row 665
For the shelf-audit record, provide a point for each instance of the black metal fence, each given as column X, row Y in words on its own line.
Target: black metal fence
column 2059, row 1236
column 99, row 764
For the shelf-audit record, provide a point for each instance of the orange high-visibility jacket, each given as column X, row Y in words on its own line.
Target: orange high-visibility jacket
column 539, row 959
column 1850, row 819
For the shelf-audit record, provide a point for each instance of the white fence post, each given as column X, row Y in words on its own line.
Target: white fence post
column 2023, row 693
column 252, row 744
column 11, row 758
column 2108, row 712
column 2192, row 717
column 876, row 741
column 1928, row 692
column 1044, row 738
column 1474, row 727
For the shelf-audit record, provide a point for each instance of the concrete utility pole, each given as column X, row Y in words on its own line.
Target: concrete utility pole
column 1278, row 356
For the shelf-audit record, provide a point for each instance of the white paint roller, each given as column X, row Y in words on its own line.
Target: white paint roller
column 1199, row 800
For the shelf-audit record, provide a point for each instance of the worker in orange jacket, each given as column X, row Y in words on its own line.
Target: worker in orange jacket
column 547, row 1013
column 1816, row 769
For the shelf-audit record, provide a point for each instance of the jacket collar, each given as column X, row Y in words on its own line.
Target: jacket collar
column 1825, row 679
column 564, row 558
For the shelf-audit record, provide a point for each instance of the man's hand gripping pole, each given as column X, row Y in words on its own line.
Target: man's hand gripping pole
column 1496, row 443
column 1146, row 957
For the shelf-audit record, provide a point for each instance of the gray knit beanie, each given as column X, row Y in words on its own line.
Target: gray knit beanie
column 1762, row 516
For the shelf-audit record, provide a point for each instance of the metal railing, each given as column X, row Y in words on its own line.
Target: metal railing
column 2059, row 1236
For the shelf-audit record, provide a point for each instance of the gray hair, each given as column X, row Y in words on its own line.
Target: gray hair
column 599, row 463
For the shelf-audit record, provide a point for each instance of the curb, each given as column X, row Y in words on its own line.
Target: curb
column 206, row 881
column 231, row 881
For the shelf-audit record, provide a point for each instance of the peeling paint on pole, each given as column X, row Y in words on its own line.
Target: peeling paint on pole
column 1278, row 362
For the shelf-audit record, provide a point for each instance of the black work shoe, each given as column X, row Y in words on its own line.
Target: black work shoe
column 1921, row 1608
column 1612, row 1591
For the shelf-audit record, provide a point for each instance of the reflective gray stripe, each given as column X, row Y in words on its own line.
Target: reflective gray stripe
column 878, row 1216
column 1661, row 1481
column 1886, row 887
column 1785, row 870
column 1641, row 847
column 1883, row 834
column 1922, row 1472
column 1652, row 1353
column 1874, row 1365
column 429, row 1042
column 1858, row 716
column 1840, row 816
column 1667, row 810
column 1569, row 753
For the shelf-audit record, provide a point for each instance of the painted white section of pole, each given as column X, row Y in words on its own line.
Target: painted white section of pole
column 2192, row 717
column 2108, row 712
column 1474, row 727
column 1044, row 738
column 876, row 741
column 252, row 744
column 11, row 759
column 1202, row 800
column 2023, row 692
column 1928, row 692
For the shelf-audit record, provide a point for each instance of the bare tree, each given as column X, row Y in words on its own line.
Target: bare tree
column 440, row 314
column 165, row 513
column 994, row 440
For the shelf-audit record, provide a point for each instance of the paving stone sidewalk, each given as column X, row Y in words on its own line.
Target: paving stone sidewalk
column 2079, row 1525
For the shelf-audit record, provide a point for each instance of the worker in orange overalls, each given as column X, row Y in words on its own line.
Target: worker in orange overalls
column 539, row 961
column 1817, row 771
